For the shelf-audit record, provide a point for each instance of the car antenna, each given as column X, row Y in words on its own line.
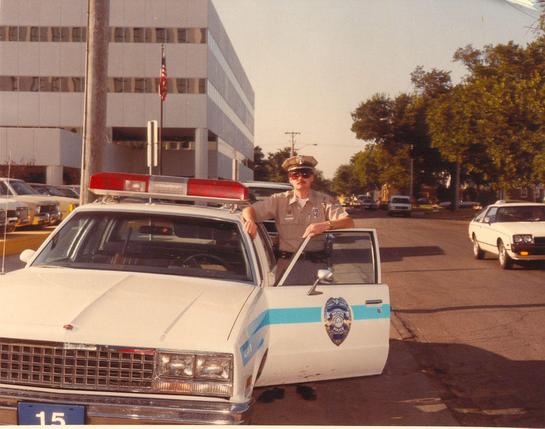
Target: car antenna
column 3, row 270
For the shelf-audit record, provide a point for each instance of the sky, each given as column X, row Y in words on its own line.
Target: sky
column 312, row 62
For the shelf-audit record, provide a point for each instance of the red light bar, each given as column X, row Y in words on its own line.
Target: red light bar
column 120, row 182
column 166, row 187
column 217, row 189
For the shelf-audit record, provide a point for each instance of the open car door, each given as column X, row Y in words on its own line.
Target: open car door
column 339, row 328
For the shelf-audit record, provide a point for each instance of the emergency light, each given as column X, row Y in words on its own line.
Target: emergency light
column 168, row 187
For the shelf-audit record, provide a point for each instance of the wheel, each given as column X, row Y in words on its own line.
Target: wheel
column 200, row 258
column 478, row 253
column 503, row 257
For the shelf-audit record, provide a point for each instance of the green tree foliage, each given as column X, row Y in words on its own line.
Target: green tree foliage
column 494, row 120
column 259, row 166
column 397, row 129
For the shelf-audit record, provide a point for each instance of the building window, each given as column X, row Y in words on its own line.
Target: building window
column 3, row 32
column 160, row 35
column 34, row 34
column 13, row 34
column 138, row 35
column 182, row 35
column 79, row 34
column 202, row 86
column 23, row 31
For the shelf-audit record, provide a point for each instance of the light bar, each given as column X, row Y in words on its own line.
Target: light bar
column 167, row 187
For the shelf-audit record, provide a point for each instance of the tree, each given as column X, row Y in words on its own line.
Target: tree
column 259, row 165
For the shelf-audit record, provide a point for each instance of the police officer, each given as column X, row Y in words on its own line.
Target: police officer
column 300, row 212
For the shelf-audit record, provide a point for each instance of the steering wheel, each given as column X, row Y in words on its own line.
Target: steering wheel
column 198, row 258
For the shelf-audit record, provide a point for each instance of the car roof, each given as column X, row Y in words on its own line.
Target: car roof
column 517, row 204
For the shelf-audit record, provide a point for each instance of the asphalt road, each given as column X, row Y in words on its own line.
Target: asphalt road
column 466, row 348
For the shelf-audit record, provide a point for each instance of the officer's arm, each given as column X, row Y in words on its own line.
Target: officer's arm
column 249, row 216
column 319, row 227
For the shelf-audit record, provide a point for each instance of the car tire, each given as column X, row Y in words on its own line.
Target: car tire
column 503, row 257
column 478, row 253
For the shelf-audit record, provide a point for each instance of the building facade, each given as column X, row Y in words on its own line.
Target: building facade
column 208, row 114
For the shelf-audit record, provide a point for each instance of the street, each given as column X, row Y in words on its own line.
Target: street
column 477, row 354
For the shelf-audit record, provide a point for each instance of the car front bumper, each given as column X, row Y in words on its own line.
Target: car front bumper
column 527, row 252
column 128, row 410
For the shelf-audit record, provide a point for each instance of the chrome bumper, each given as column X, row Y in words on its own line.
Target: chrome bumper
column 120, row 410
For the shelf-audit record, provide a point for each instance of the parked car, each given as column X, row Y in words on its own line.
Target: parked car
column 170, row 313
column 515, row 232
column 366, row 202
column 261, row 190
column 66, row 204
column 17, row 213
column 463, row 205
column 400, row 205
column 43, row 211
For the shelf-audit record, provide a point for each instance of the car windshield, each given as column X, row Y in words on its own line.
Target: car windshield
column 22, row 188
column 67, row 192
column 401, row 200
column 54, row 191
column 149, row 243
column 521, row 214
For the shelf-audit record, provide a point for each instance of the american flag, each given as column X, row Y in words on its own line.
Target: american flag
column 163, row 82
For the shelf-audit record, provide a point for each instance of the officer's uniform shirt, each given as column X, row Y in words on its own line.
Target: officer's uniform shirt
column 292, row 219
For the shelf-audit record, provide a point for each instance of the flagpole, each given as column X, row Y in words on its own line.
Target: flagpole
column 160, row 151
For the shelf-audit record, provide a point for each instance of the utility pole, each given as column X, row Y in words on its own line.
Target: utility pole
column 292, row 134
column 96, row 92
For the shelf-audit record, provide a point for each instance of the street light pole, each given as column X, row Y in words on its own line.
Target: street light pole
column 292, row 134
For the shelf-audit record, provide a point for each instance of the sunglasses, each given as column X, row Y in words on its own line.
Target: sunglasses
column 297, row 174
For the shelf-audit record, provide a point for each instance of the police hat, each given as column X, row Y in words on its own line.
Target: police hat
column 299, row 162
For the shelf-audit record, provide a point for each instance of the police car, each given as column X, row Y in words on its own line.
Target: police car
column 139, row 308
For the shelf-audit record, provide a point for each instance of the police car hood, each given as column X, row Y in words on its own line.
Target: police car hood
column 120, row 308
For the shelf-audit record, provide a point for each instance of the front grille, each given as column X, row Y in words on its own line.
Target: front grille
column 539, row 241
column 48, row 364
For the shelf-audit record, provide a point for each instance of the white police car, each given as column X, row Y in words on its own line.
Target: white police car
column 513, row 231
column 156, row 312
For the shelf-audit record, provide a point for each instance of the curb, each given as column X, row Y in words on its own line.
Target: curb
column 19, row 240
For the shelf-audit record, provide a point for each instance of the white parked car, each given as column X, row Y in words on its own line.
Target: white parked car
column 169, row 313
column 17, row 213
column 66, row 203
column 43, row 211
column 513, row 231
column 399, row 204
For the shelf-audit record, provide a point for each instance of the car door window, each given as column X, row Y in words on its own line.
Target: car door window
column 349, row 255
column 491, row 214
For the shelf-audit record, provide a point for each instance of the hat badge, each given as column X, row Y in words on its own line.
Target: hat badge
column 299, row 159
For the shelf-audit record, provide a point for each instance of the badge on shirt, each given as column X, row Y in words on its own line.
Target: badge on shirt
column 315, row 212
column 289, row 215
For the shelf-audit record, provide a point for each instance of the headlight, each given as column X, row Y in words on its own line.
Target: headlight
column 523, row 239
column 213, row 368
column 175, row 365
column 194, row 373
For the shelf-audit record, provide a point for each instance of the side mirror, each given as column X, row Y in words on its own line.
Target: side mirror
column 323, row 276
column 26, row 255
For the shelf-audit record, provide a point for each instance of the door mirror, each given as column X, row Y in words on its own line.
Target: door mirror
column 322, row 276
column 26, row 255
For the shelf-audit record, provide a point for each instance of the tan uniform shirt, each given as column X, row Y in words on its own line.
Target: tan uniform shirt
column 292, row 219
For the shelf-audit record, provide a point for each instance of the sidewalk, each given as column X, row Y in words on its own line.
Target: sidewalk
column 20, row 240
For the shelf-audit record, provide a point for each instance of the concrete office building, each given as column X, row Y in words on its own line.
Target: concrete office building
column 208, row 121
